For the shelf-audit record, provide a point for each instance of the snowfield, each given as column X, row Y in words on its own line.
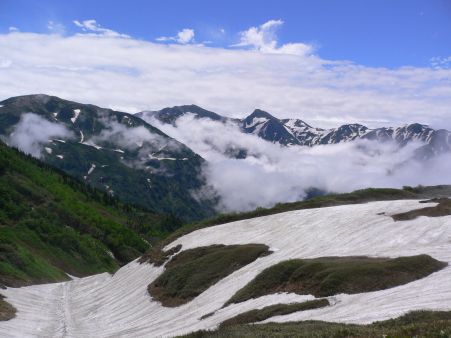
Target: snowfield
column 119, row 305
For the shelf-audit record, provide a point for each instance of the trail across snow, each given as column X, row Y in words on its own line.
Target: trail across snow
column 119, row 305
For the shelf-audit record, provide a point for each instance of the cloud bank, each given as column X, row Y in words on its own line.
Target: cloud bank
column 107, row 68
column 271, row 173
column 33, row 131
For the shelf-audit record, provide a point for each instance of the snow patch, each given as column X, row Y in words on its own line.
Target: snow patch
column 93, row 166
column 48, row 150
column 77, row 113
column 119, row 305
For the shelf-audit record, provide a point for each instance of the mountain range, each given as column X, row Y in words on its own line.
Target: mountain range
column 296, row 132
column 110, row 150
column 126, row 156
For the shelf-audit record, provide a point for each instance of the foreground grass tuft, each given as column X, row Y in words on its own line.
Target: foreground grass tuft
column 7, row 311
column 193, row 271
column 259, row 315
column 158, row 257
column 328, row 276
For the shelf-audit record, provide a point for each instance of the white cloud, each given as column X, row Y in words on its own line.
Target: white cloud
column 33, row 131
column 13, row 29
column 56, row 27
column 91, row 26
column 439, row 62
column 272, row 173
column 263, row 38
column 185, row 36
column 133, row 75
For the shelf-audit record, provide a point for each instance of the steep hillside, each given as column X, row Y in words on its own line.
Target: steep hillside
column 404, row 264
column 110, row 150
column 52, row 224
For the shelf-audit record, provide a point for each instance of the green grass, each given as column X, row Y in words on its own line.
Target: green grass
column 159, row 257
column 259, row 315
column 328, row 276
column 193, row 271
column 415, row 324
column 51, row 223
column 7, row 311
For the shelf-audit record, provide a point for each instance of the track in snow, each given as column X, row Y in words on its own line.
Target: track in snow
column 119, row 305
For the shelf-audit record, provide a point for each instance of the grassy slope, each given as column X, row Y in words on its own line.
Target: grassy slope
column 329, row 276
column 193, row 271
column 443, row 208
column 258, row 315
column 51, row 223
column 414, row 324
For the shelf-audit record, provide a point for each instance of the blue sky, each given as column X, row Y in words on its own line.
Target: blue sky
column 383, row 33
column 379, row 63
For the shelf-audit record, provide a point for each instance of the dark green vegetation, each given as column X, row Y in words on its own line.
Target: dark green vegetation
column 133, row 160
column 358, row 196
column 51, row 223
column 443, row 208
column 193, row 271
column 329, row 276
column 7, row 311
column 414, row 324
column 259, row 315
column 159, row 257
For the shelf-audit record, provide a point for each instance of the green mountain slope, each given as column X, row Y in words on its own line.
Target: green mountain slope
column 110, row 150
column 51, row 224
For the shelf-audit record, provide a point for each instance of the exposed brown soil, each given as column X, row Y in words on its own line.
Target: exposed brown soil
column 443, row 208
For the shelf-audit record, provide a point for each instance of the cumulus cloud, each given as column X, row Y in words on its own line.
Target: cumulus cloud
column 185, row 36
column 271, row 173
column 33, row 131
column 133, row 75
column 91, row 26
column 263, row 38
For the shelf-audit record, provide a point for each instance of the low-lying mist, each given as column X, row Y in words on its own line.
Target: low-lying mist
column 272, row 173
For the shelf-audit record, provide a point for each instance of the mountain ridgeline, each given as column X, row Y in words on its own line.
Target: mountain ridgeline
column 296, row 132
column 110, row 150
column 127, row 157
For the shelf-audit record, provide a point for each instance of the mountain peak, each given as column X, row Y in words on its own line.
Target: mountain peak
column 171, row 114
column 260, row 114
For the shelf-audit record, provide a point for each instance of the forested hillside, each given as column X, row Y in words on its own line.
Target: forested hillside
column 52, row 224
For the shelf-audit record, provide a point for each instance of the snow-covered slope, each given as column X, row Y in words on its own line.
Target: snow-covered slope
column 119, row 305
